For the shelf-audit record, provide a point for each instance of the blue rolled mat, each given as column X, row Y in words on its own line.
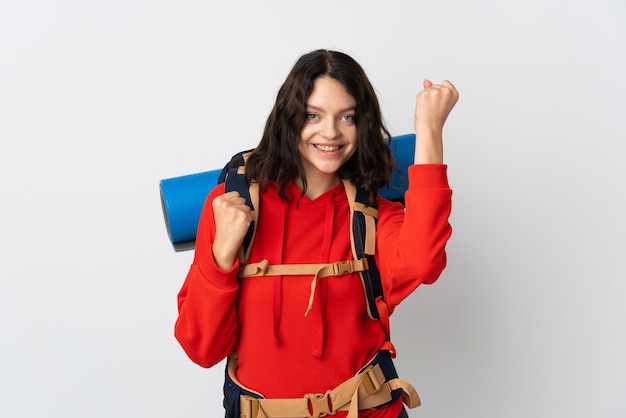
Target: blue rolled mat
column 182, row 197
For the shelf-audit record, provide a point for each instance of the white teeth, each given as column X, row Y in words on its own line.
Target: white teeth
column 327, row 148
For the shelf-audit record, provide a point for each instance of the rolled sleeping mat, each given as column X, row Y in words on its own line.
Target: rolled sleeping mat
column 182, row 198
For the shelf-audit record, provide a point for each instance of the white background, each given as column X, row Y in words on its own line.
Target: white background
column 100, row 100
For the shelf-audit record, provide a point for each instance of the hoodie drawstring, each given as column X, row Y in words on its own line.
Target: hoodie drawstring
column 320, row 337
column 278, row 281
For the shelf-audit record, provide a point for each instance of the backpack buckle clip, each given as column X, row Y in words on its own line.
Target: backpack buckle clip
column 320, row 404
column 342, row 267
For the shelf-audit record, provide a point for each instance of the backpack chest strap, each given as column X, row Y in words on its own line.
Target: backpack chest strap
column 317, row 270
column 339, row 268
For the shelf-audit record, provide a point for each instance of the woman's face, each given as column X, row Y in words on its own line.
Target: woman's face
column 328, row 138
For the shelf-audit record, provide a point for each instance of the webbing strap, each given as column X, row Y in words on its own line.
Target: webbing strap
column 264, row 268
column 317, row 270
column 366, row 390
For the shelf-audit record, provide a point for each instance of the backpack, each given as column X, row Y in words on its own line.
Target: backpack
column 363, row 242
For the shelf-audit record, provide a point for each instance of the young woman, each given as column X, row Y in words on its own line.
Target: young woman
column 293, row 339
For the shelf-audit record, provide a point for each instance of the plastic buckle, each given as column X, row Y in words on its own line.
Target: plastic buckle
column 249, row 406
column 370, row 381
column 342, row 267
column 320, row 404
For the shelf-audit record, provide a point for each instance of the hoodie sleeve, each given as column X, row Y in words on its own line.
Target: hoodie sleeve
column 411, row 241
column 206, row 327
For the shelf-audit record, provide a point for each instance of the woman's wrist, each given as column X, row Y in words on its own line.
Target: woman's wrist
column 428, row 147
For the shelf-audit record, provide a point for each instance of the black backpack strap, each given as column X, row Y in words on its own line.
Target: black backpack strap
column 363, row 240
column 235, row 180
column 371, row 276
column 238, row 160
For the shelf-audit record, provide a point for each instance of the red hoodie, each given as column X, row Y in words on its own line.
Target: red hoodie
column 282, row 353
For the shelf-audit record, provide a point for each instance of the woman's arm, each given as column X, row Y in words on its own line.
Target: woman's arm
column 206, row 326
column 412, row 241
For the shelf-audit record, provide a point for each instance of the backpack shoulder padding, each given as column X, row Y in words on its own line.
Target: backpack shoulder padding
column 235, row 180
column 363, row 221
column 238, row 160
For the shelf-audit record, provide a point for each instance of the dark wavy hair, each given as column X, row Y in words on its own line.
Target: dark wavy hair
column 276, row 158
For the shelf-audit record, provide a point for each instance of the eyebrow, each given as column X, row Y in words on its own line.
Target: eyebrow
column 319, row 109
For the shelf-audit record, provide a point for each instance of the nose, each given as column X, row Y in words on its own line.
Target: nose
column 330, row 129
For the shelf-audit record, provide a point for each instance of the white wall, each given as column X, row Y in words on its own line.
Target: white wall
column 101, row 100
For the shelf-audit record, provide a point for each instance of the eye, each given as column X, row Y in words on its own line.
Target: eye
column 348, row 118
column 311, row 116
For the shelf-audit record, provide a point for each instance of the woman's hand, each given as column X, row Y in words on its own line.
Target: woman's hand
column 232, row 220
column 432, row 107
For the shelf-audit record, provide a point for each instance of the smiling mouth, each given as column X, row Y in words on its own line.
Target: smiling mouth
column 327, row 148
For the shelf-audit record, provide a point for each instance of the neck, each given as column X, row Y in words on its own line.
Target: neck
column 319, row 185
